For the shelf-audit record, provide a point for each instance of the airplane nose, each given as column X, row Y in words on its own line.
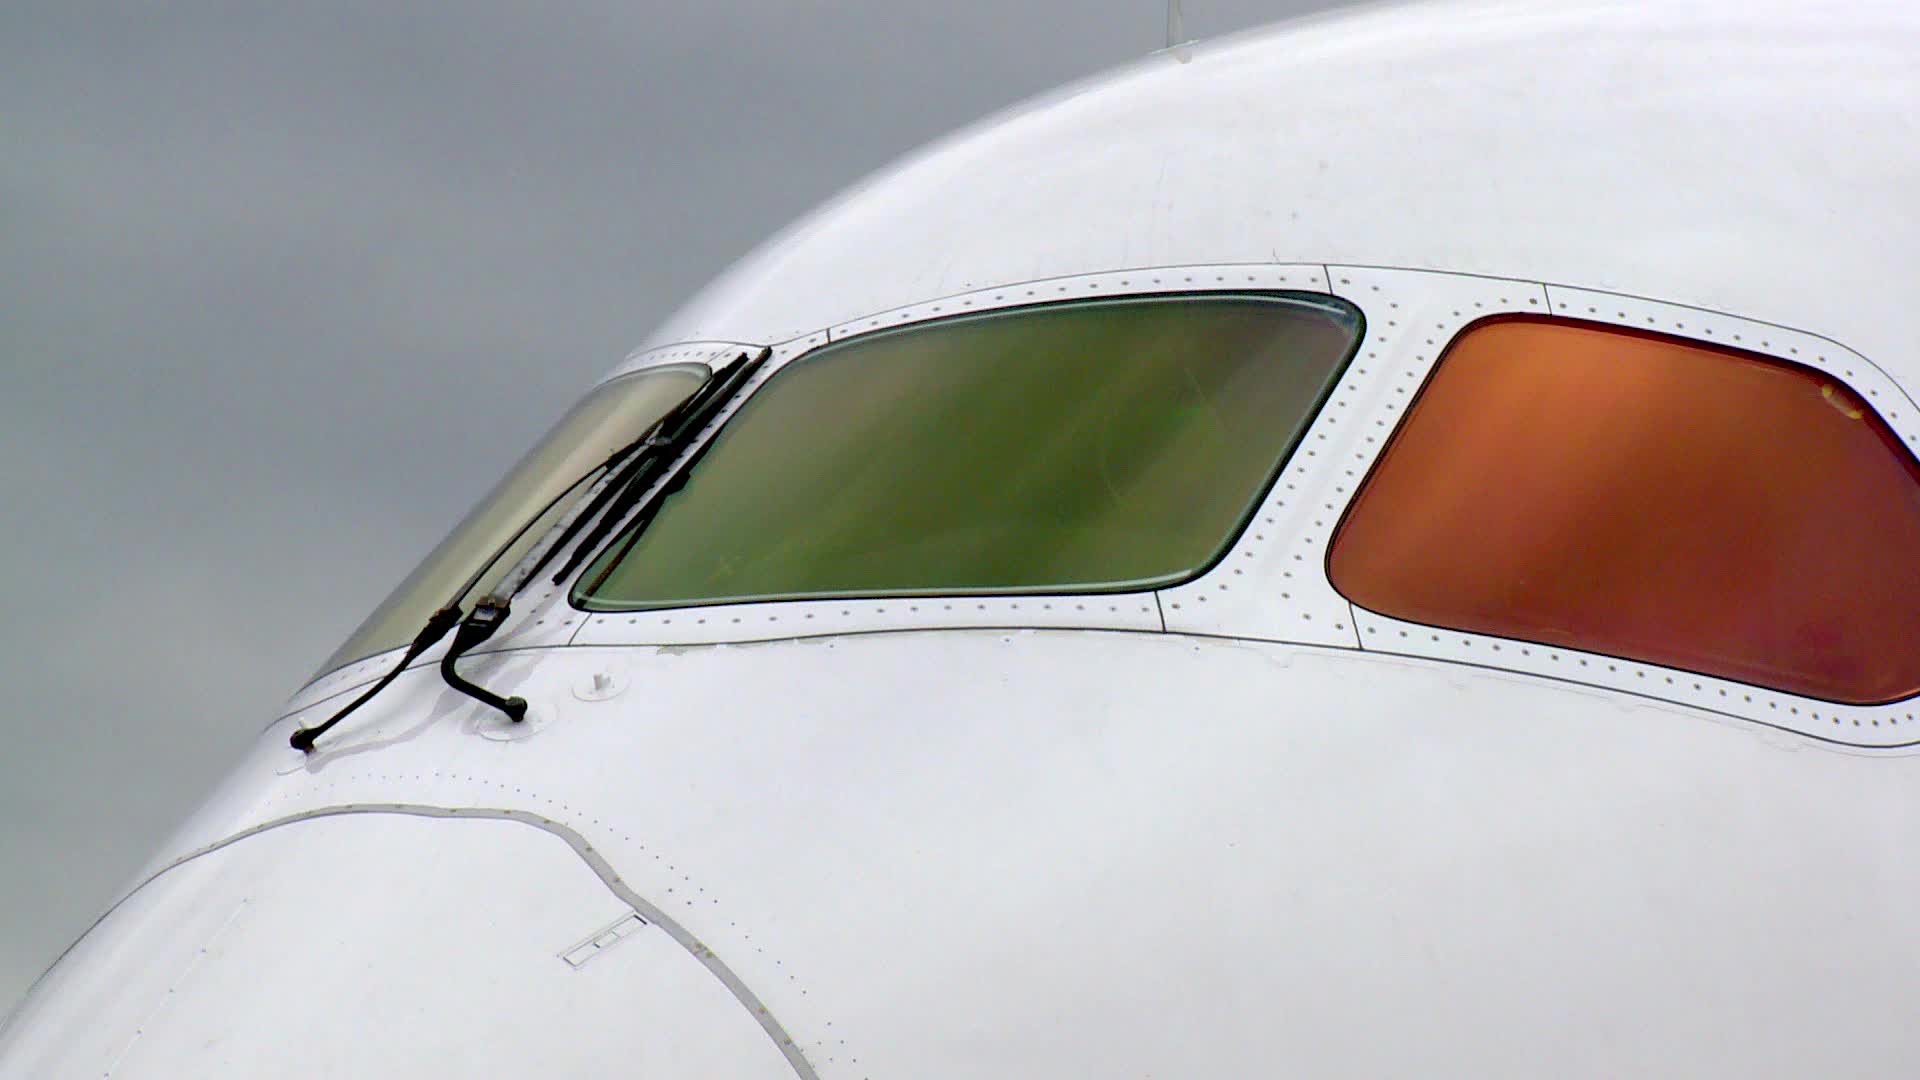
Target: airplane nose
column 386, row 943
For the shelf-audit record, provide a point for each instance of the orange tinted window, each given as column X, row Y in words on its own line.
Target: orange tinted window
column 1645, row 497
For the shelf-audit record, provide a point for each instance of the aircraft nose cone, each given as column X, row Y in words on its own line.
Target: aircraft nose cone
column 384, row 944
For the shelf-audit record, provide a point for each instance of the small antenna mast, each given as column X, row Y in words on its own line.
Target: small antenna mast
column 1176, row 33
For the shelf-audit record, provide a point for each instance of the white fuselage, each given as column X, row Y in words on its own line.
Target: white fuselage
column 1233, row 827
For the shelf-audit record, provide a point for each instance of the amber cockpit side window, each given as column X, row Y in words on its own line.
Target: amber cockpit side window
column 1650, row 498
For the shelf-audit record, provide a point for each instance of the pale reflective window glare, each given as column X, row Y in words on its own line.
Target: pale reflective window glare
column 613, row 415
column 1650, row 498
column 1088, row 446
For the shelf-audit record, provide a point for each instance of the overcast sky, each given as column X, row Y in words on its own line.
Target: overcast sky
column 286, row 287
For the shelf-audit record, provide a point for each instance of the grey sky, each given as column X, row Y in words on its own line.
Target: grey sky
column 287, row 286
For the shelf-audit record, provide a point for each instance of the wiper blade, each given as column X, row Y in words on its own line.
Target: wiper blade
column 644, row 456
column 619, row 497
column 652, row 454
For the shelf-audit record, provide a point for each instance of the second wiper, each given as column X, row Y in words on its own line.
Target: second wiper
column 673, row 435
column 617, row 478
column 651, row 457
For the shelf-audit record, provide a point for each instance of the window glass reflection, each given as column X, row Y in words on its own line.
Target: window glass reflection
column 1652, row 498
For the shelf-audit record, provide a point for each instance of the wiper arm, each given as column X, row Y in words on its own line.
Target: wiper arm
column 651, row 454
column 487, row 616
column 659, row 443
column 437, row 626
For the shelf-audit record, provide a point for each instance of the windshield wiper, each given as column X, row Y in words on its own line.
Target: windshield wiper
column 619, row 497
column 487, row 616
column 437, row 626
column 643, row 457
column 651, row 455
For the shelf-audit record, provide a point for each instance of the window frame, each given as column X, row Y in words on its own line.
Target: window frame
column 1435, row 308
column 1726, row 351
column 1131, row 610
column 532, row 623
column 1271, row 585
column 624, row 538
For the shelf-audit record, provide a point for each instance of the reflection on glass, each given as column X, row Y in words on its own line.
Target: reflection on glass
column 1086, row 446
column 1624, row 493
column 613, row 415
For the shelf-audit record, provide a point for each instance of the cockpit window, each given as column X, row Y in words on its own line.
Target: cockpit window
column 1089, row 446
column 526, row 503
column 1651, row 498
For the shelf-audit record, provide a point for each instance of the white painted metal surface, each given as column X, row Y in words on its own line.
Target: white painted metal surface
column 1753, row 158
column 1169, row 855
column 340, row 946
column 1232, row 828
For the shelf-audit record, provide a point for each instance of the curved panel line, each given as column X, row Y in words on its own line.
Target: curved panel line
column 602, row 869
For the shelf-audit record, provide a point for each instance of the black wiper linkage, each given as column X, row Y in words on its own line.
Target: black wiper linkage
column 651, row 455
column 487, row 616
column 436, row 628
column 647, row 455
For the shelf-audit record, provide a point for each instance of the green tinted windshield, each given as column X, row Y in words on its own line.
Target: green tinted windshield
column 1092, row 446
column 613, row 415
